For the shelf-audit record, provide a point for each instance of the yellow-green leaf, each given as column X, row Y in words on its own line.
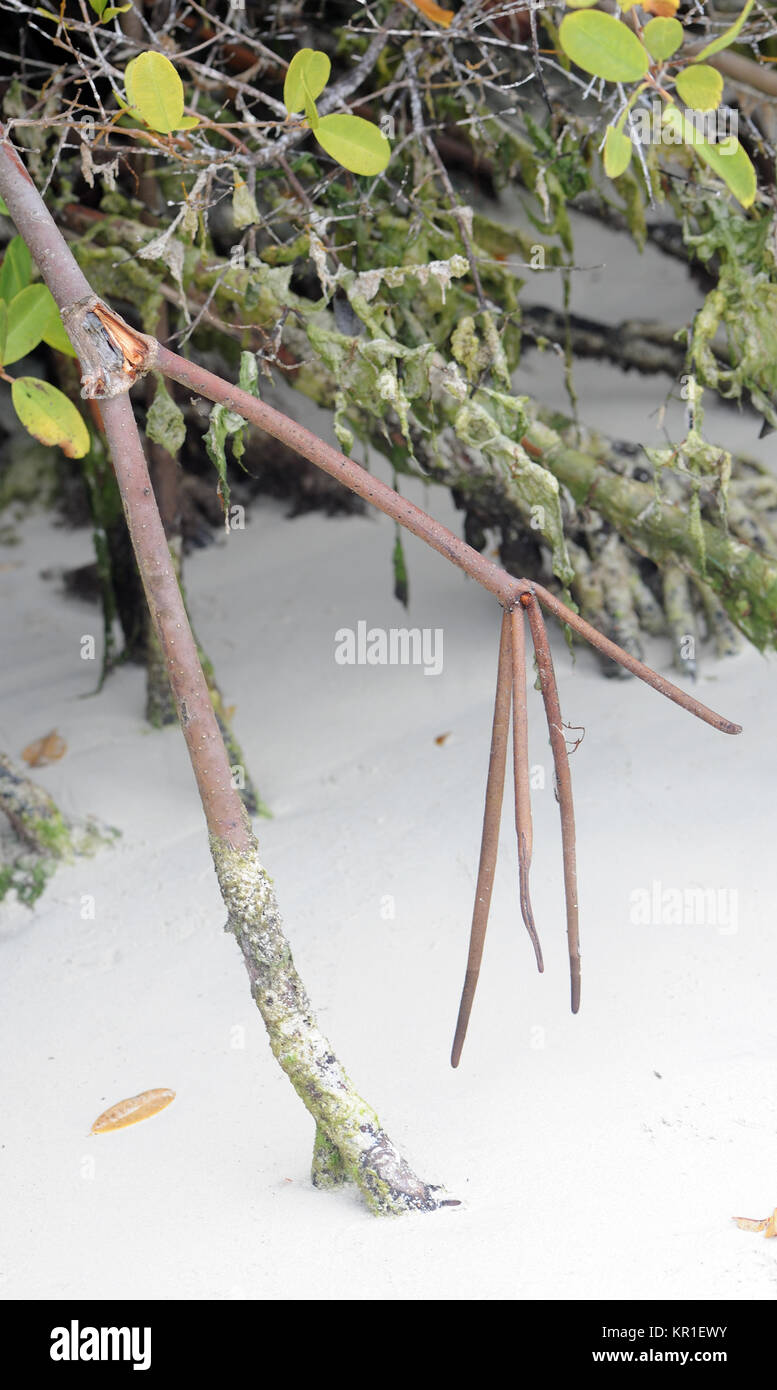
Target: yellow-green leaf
column 617, row 152
column 50, row 416
column 727, row 38
column 28, row 316
column 155, row 91
column 106, row 11
column 603, row 46
column 701, row 87
column 3, row 329
column 188, row 123
column 663, row 37
column 355, row 143
column 585, row 4
column 311, row 111
column 312, row 65
column 16, row 269
column 727, row 158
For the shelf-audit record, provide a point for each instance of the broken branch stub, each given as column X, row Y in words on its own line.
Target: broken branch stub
column 111, row 353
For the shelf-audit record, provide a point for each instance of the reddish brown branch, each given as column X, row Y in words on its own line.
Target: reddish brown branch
column 221, row 802
column 507, row 589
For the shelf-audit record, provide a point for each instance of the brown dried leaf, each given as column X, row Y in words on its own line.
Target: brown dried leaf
column 768, row 1225
column 128, row 1112
column 48, row 749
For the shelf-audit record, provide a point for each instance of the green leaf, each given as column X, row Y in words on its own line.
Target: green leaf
column 245, row 213
column 223, row 423
column 617, row 152
column 16, row 269
column 3, row 329
column 4, row 208
column 311, row 112
column 308, row 67
column 355, row 143
column 401, row 583
column 701, row 88
column 603, row 46
column 155, row 91
column 50, row 416
column 29, row 314
column 581, row 4
column 727, row 38
column 99, row 7
column 663, row 37
column 55, row 334
column 164, row 422
column 726, row 158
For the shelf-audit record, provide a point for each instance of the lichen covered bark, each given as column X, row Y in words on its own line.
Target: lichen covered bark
column 44, row 838
column 350, row 1142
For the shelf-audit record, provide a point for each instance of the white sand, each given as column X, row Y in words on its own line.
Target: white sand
column 583, row 1173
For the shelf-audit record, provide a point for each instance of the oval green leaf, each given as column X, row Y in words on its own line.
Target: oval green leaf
column 155, row 91
column 663, row 37
column 55, row 334
column 727, row 158
column 603, row 46
column 581, row 4
column 3, row 329
column 701, row 87
column 617, row 152
column 727, row 38
column 50, row 416
column 16, row 269
column 309, row 67
column 355, row 143
column 29, row 314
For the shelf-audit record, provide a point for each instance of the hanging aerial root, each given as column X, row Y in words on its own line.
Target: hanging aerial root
column 523, row 822
column 489, row 843
column 563, row 783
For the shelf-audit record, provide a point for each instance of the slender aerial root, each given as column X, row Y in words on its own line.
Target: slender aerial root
column 523, row 822
column 489, row 843
column 563, row 783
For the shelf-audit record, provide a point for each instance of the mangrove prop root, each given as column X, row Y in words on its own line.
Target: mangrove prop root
column 558, row 745
column 489, row 843
column 115, row 355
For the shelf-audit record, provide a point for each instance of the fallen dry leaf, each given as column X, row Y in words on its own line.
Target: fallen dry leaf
column 433, row 12
column 48, row 749
column 440, row 739
column 768, row 1225
column 128, row 1112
